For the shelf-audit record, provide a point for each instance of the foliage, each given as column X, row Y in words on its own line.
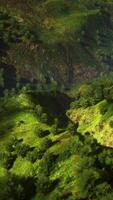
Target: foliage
column 22, row 149
column 41, row 133
column 55, row 127
column 46, row 143
column 34, row 155
column 45, row 41
column 48, row 163
column 51, row 29
column 72, row 128
column 40, row 114
column 93, row 92
column 15, row 187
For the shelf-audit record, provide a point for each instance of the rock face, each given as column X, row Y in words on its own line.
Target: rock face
column 57, row 41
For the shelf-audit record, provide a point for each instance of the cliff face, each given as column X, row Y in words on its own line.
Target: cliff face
column 57, row 41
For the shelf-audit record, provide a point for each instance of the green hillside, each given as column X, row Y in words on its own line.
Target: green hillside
column 40, row 160
column 56, row 100
column 93, row 109
column 96, row 121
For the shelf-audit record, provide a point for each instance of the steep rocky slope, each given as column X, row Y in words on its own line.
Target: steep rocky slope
column 57, row 41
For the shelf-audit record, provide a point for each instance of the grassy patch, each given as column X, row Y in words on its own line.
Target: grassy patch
column 96, row 120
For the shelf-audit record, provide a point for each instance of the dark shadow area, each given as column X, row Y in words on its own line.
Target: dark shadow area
column 17, row 188
column 9, row 76
column 55, row 104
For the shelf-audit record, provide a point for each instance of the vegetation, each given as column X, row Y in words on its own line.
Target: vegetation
column 51, row 42
column 56, row 139
column 33, row 157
